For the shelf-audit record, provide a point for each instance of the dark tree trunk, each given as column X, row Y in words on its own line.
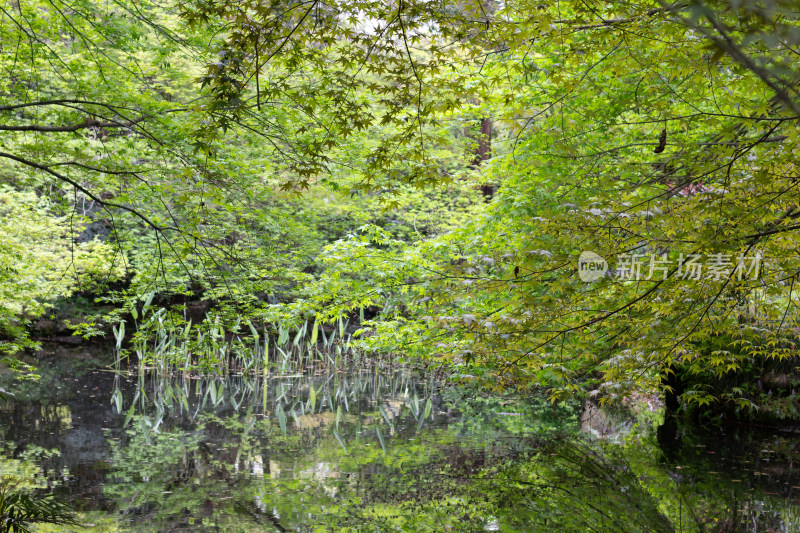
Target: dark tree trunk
column 668, row 433
column 483, row 138
column 670, row 379
column 484, row 148
column 482, row 151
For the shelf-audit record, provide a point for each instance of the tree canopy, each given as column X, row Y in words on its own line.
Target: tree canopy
column 214, row 145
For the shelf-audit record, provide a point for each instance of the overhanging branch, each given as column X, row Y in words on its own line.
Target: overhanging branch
column 84, row 190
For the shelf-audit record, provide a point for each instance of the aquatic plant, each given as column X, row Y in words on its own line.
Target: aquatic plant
column 166, row 344
column 19, row 511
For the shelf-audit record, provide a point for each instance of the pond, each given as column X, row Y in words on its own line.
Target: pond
column 377, row 450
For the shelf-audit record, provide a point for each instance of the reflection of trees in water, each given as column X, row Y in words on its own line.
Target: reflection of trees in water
column 739, row 479
column 546, row 484
column 592, row 486
column 189, row 456
column 216, row 445
column 75, row 425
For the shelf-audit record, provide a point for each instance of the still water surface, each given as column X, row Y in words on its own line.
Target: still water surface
column 378, row 451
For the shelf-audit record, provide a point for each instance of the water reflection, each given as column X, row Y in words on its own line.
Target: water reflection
column 386, row 451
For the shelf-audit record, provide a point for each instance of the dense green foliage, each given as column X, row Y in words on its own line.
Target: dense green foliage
column 293, row 162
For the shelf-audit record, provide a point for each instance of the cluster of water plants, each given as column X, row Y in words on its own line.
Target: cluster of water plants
column 166, row 345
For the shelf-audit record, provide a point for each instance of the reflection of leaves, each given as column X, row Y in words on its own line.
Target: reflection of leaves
column 380, row 439
column 339, row 438
column 180, row 471
column 213, row 460
column 281, row 418
column 129, row 415
column 425, row 415
column 586, row 486
column 116, row 400
column 385, row 416
column 421, row 419
column 216, row 393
